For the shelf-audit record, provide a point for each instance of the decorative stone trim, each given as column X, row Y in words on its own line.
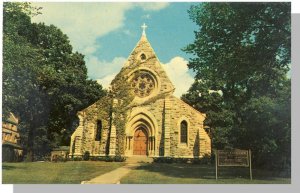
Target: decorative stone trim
column 155, row 79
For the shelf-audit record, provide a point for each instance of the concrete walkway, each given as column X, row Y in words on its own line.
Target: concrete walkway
column 114, row 177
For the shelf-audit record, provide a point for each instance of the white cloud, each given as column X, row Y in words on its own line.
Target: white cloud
column 85, row 22
column 105, row 81
column 128, row 32
column 153, row 6
column 178, row 72
column 147, row 16
column 104, row 71
column 101, row 69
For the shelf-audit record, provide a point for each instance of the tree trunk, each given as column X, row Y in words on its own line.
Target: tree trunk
column 30, row 154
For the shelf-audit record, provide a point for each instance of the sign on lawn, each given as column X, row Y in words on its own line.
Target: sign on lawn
column 235, row 157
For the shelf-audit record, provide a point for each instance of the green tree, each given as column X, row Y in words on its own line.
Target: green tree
column 44, row 82
column 243, row 50
column 66, row 84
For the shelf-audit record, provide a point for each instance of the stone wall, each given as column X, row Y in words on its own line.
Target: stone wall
column 83, row 138
column 169, row 112
column 198, row 143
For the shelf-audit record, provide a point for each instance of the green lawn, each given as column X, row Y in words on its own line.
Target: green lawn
column 195, row 174
column 54, row 173
column 155, row 173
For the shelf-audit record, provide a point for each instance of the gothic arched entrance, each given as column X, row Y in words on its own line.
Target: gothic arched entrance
column 140, row 142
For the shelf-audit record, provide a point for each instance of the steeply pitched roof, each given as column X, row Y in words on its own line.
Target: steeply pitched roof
column 143, row 57
column 12, row 119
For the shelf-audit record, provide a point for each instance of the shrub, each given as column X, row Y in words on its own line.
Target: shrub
column 183, row 160
column 94, row 158
column 46, row 157
column 86, row 156
column 77, row 159
column 101, row 158
column 108, row 159
column 61, row 159
column 119, row 158
column 58, row 158
column 164, row 159
column 169, row 160
column 158, row 160
column 205, row 160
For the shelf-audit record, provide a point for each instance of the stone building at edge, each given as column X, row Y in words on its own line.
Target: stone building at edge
column 155, row 123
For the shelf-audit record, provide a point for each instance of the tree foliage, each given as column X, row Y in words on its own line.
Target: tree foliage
column 44, row 82
column 243, row 50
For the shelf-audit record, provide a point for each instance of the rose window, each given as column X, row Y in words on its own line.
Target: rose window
column 143, row 84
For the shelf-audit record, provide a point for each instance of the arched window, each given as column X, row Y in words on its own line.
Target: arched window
column 183, row 131
column 98, row 130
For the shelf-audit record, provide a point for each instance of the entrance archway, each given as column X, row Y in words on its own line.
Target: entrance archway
column 140, row 142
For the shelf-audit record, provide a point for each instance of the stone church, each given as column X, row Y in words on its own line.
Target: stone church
column 154, row 123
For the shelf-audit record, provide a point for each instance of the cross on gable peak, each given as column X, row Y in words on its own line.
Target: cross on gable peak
column 144, row 26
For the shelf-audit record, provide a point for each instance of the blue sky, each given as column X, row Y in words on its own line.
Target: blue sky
column 168, row 31
column 106, row 33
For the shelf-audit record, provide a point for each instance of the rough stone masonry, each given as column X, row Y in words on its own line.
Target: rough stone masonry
column 156, row 123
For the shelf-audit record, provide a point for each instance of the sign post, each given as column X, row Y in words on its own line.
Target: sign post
column 234, row 157
column 216, row 158
column 250, row 167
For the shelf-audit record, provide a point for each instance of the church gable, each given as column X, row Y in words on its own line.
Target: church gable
column 145, row 74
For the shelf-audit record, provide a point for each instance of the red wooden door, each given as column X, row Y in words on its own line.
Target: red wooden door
column 140, row 142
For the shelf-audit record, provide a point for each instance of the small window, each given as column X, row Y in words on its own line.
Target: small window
column 183, row 132
column 98, row 130
column 143, row 57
